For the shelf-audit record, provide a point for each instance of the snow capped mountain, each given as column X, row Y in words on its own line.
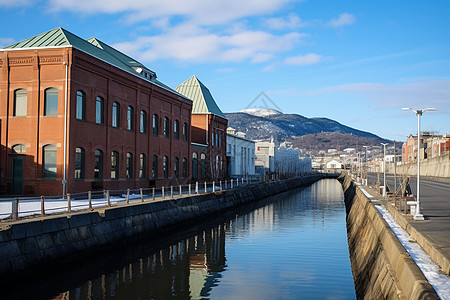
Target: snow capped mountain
column 261, row 112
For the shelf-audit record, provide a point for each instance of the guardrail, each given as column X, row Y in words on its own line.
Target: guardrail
column 21, row 207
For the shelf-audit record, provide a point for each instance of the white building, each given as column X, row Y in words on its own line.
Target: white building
column 334, row 164
column 240, row 154
column 265, row 157
column 289, row 163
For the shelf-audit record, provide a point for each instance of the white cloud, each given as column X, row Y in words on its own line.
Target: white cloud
column 291, row 22
column 6, row 42
column 15, row 3
column 302, row 60
column 343, row 20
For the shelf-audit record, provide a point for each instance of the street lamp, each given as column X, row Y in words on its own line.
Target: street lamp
column 418, row 112
column 365, row 160
column 384, row 169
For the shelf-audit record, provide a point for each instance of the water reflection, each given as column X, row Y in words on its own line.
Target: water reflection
column 290, row 246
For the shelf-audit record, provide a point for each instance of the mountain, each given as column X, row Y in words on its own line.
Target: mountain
column 262, row 124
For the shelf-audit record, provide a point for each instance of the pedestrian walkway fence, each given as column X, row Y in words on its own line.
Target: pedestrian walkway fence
column 21, row 207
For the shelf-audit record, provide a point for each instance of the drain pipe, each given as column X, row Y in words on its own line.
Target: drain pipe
column 64, row 181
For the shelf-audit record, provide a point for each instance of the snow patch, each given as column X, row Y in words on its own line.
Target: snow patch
column 261, row 112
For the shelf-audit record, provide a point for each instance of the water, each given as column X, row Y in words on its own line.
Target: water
column 291, row 246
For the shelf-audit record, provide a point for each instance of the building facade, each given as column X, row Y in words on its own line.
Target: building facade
column 78, row 115
column 430, row 146
column 265, row 157
column 240, row 155
column 208, row 127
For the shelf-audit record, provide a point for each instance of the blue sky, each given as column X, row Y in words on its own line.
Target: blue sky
column 357, row 62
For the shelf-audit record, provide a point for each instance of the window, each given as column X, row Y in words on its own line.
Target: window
column 114, row 165
column 194, row 165
column 212, row 139
column 115, row 122
column 142, row 166
column 155, row 125
column 19, row 148
column 155, row 167
column 176, row 130
column 20, row 103
column 220, row 140
column 143, row 122
column 130, row 118
column 184, row 167
column 129, row 165
column 99, row 119
column 185, row 132
column 176, row 167
column 80, row 108
column 166, row 127
column 98, row 165
column 51, row 102
column 49, row 161
column 203, row 164
column 79, row 163
column 166, row 167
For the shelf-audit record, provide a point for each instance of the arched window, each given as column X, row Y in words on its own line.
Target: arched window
column 98, row 165
column 176, row 130
column 115, row 121
column 129, row 165
column 130, row 118
column 20, row 103
column 142, row 165
column 155, row 167
column 114, row 165
column 80, row 106
column 79, row 163
column 166, row 167
column 19, row 148
column 99, row 105
column 184, row 167
column 49, row 161
column 51, row 102
column 155, row 125
column 203, row 164
column 143, row 122
column 185, row 132
column 194, row 165
column 176, row 167
column 166, row 127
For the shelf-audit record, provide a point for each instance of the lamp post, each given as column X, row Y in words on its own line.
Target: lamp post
column 365, row 163
column 384, row 169
column 418, row 112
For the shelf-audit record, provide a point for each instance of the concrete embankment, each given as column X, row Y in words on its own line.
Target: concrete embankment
column 436, row 167
column 382, row 269
column 33, row 243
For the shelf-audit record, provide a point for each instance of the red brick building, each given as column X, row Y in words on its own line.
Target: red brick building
column 209, row 130
column 83, row 112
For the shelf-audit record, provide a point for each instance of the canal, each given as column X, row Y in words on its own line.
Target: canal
column 290, row 246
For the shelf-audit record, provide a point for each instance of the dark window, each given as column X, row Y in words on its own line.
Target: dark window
column 114, row 165
column 185, row 132
column 184, row 167
column 80, row 109
column 99, row 119
column 143, row 122
column 98, row 165
column 51, row 102
column 49, row 161
column 20, row 103
column 130, row 118
column 129, row 165
column 176, row 130
column 166, row 167
column 19, row 148
column 155, row 124
column 115, row 122
column 203, row 164
column 142, row 165
column 166, row 127
column 194, row 165
column 155, row 167
column 79, row 163
column 176, row 167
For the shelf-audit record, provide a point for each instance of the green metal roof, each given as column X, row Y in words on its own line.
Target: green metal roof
column 60, row 37
column 204, row 102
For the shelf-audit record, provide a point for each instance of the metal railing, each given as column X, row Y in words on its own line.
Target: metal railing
column 22, row 207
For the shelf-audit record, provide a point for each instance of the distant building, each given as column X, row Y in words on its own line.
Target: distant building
column 265, row 157
column 208, row 131
column 430, row 146
column 334, row 164
column 240, row 154
column 289, row 163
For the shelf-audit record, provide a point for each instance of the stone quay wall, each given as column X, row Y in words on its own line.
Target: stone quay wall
column 32, row 244
column 431, row 167
column 382, row 268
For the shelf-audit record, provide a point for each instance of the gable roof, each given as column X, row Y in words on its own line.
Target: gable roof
column 204, row 102
column 59, row 37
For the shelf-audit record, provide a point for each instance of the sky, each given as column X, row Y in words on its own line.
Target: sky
column 356, row 62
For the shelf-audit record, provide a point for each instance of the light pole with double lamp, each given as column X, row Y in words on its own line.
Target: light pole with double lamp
column 418, row 112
